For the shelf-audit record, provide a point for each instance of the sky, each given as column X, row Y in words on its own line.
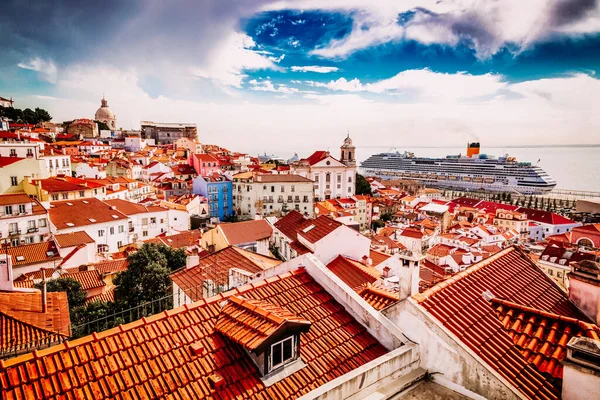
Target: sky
column 297, row 75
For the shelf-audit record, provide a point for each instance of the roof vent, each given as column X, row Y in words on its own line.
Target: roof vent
column 487, row 295
column 305, row 230
column 216, row 381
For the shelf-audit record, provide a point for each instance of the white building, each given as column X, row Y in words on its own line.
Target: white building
column 102, row 222
column 145, row 222
column 268, row 194
column 332, row 178
column 23, row 220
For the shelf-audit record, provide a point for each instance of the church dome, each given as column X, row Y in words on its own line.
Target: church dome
column 104, row 114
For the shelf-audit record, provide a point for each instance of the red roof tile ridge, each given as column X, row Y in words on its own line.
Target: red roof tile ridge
column 591, row 329
column 33, row 326
column 368, row 287
column 131, row 325
column 421, row 297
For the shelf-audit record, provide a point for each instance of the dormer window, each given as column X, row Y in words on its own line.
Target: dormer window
column 274, row 347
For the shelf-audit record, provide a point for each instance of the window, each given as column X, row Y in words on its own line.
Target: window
column 112, row 230
column 121, row 229
column 29, row 239
column 328, row 177
column 22, row 208
column 293, row 188
column 272, row 189
column 145, row 233
column 119, row 244
column 81, row 193
column 29, row 152
column 282, row 352
column 13, row 152
column 42, row 223
column 305, row 199
column 13, row 228
column 101, row 233
column 14, row 181
column 144, row 221
column 349, row 179
column 102, row 248
column 65, row 196
column 559, row 274
column 153, row 220
column 550, row 272
column 8, row 210
column 339, row 179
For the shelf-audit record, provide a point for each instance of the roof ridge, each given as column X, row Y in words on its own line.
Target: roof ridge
column 146, row 320
column 421, row 297
column 31, row 325
column 378, row 290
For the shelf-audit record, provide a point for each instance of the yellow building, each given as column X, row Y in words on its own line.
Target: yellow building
column 13, row 171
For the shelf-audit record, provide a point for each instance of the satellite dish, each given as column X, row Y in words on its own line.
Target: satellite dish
column 316, row 210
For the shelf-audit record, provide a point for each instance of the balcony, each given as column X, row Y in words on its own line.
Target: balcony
column 296, row 200
column 14, row 232
column 131, row 229
column 32, row 230
column 280, row 200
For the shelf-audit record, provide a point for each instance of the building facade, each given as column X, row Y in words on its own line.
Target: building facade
column 218, row 191
column 168, row 133
column 104, row 114
column 271, row 194
column 23, row 220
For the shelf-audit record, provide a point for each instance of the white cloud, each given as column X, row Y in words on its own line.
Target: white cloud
column 314, row 68
column 558, row 110
column 267, row 86
column 488, row 25
column 46, row 68
column 226, row 65
column 424, row 85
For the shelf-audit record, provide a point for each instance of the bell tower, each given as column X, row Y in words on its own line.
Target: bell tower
column 348, row 152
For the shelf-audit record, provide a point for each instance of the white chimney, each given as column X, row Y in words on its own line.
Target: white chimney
column 584, row 288
column 6, row 273
column 581, row 372
column 193, row 259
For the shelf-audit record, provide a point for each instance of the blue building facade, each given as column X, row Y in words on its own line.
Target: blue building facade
column 217, row 190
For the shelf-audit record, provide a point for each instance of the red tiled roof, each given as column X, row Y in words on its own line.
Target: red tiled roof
column 540, row 336
column 216, row 267
column 545, row 217
column 111, row 266
column 32, row 253
column 246, row 231
column 378, row 298
column 66, row 184
column 378, row 257
column 412, row 233
column 82, row 212
column 24, row 325
column 14, row 198
column 129, row 208
column 319, row 228
column 153, row 357
column 179, row 240
column 458, row 305
column 353, row 273
column 277, row 178
column 6, row 161
column 299, row 248
column 290, row 224
column 316, row 157
column 73, row 239
column 89, row 279
column 250, row 322
column 106, row 297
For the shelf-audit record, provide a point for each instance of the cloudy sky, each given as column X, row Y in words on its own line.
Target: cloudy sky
column 284, row 76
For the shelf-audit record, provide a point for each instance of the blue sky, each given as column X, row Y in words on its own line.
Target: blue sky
column 297, row 74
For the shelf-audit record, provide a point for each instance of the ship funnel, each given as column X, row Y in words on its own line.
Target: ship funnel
column 472, row 149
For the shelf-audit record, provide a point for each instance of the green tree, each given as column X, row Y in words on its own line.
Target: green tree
column 377, row 224
column 42, row 115
column 362, row 185
column 75, row 294
column 535, row 204
column 386, row 217
column 147, row 276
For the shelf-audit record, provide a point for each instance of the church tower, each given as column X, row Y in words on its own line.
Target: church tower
column 348, row 152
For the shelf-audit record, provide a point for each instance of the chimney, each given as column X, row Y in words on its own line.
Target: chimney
column 6, row 273
column 584, row 288
column 581, row 369
column 193, row 259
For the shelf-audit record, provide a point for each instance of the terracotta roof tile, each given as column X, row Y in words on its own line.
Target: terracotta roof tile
column 82, row 212
column 129, row 208
column 378, row 257
column 378, row 298
column 156, row 357
column 458, row 305
column 246, row 231
column 250, row 322
column 290, row 224
column 23, row 324
column 5, row 161
column 107, row 296
column 353, row 273
column 90, row 279
column 216, row 267
column 111, row 266
column 14, row 198
column 34, row 253
column 319, row 228
column 73, row 239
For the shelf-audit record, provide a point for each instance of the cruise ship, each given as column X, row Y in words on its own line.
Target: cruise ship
column 473, row 171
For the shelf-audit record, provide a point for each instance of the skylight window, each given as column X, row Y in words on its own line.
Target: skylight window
column 115, row 216
column 69, row 204
column 50, row 253
column 91, row 219
column 86, row 202
column 308, row 229
column 70, row 224
column 20, row 258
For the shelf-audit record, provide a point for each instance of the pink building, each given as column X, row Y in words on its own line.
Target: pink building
column 205, row 164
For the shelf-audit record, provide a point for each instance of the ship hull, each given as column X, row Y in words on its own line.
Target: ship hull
column 462, row 174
